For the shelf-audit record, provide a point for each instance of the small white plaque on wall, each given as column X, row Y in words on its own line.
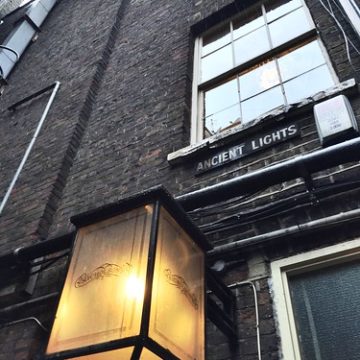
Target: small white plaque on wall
column 335, row 120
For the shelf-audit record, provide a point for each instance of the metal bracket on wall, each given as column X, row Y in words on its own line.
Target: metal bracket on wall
column 309, row 182
column 220, row 303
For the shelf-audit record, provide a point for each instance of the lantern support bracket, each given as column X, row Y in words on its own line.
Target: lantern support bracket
column 221, row 306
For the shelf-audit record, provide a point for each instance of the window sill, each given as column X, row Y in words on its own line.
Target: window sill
column 347, row 87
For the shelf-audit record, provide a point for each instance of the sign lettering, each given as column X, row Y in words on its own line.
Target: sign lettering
column 248, row 147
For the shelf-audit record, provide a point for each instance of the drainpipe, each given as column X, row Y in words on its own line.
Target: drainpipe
column 323, row 223
column 29, row 148
column 299, row 166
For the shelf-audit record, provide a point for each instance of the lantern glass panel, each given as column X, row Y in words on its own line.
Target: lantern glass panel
column 148, row 355
column 107, row 355
column 177, row 310
column 103, row 293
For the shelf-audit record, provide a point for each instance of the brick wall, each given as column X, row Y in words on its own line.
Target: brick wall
column 124, row 104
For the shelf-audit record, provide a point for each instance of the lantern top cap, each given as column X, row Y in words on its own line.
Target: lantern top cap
column 146, row 197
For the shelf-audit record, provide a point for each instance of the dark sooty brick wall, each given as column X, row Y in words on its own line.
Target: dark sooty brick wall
column 124, row 104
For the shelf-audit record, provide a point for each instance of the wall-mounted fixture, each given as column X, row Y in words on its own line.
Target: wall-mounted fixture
column 135, row 287
column 335, row 120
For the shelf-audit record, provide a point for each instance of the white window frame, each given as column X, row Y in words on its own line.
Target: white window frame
column 302, row 263
column 197, row 130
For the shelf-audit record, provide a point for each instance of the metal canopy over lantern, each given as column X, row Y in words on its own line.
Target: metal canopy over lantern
column 135, row 286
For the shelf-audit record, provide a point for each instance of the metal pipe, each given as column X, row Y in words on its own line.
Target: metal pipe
column 319, row 160
column 31, row 318
column 5, row 311
column 29, row 148
column 332, row 220
column 284, row 171
column 42, row 248
column 256, row 305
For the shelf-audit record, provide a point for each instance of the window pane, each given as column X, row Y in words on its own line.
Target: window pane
column 308, row 84
column 216, row 39
column 288, row 27
column 222, row 120
column 216, row 63
column 251, row 45
column 281, row 8
column 326, row 306
column 261, row 78
column 262, row 103
column 221, row 97
column 301, row 60
column 242, row 27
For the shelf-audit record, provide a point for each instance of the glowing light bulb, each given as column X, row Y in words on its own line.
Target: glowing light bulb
column 134, row 287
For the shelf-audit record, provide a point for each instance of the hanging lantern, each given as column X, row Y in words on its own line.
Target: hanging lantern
column 135, row 286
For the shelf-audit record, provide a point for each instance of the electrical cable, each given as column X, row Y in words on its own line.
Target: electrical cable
column 341, row 10
column 11, row 50
column 346, row 39
column 201, row 212
column 280, row 207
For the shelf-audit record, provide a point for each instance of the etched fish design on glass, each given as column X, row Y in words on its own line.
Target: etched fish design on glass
column 182, row 285
column 105, row 270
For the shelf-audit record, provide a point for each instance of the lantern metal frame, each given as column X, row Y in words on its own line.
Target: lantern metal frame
column 159, row 197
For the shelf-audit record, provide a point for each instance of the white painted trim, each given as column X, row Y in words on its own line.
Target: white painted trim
column 301, row 263
column 195, row 101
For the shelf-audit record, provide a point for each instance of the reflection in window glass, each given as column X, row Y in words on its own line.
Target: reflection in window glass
column 242, row 27
column 216, row 40
column 222, row 120
column 289, row 27
column 251, row 45
column 308, row 84
column 261, row 78
column 216, row 63
column 254, row 71
column 281, row 8
column 326, row 305
column 261, row 104
column 301, row 60
column 221, row 97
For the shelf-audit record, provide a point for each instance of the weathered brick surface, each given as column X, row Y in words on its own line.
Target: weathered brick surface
column 125, row 69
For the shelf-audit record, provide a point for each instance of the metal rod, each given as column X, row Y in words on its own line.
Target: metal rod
column 29, row 148
column 145, row 317
column 35, row 251
column 5, row 311
column 31, row 318
column 30, row 97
